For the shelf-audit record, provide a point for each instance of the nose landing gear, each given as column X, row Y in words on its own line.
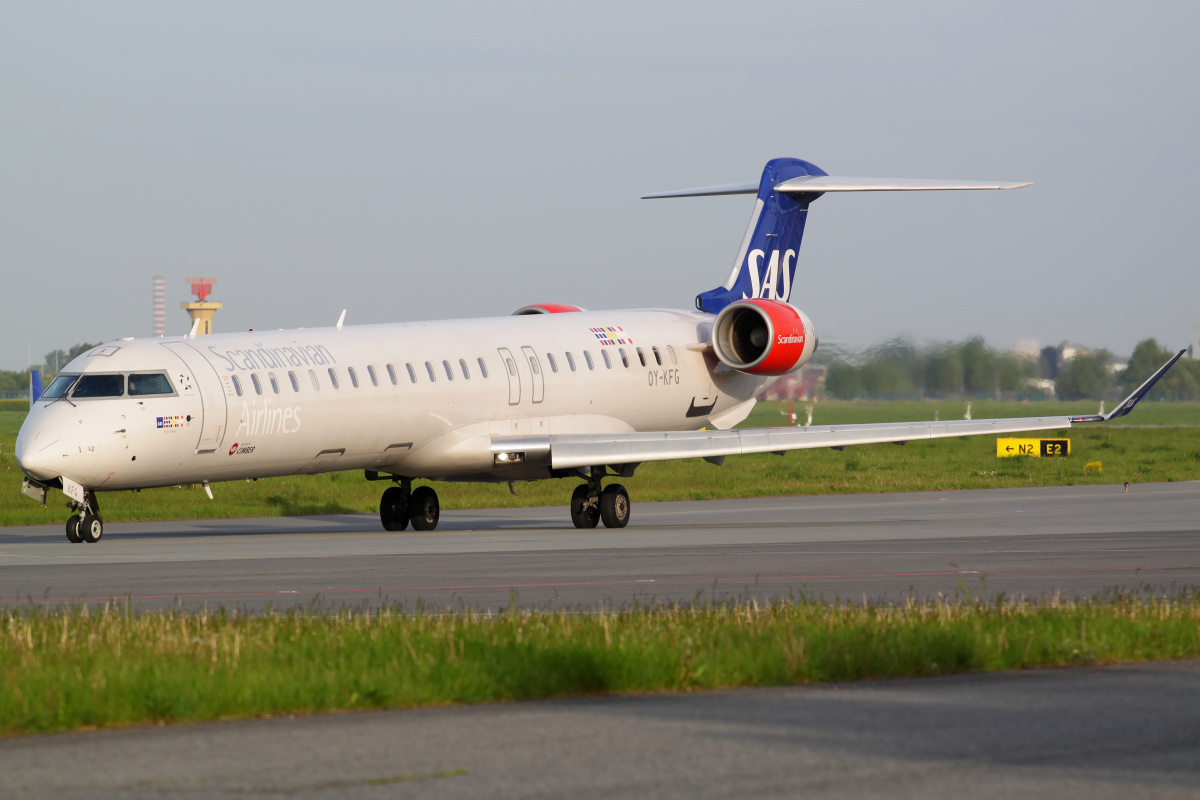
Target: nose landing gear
column 88, row 526
column 591, row 504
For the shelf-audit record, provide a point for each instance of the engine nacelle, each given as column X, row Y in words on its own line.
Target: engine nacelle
column 763, row 337
column 546, row 308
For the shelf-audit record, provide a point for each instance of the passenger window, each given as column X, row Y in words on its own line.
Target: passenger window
column 641, row 355
column 588, row 358
column 100, row 386
column 295, row 383
column 149, row 384
column 392, row 374
column 671, row 353
column 463, row 365
column 512, row 368
column 429, row 369
column 482, row 367
column 237, row 385
column 274, row 383
column 412, row 373
column 449, row 371
column 313, row 377
column 353, row 376
column 333, row 378
column 257, row 385
column 571, row 361
column 374, row 377
column 607, row 360
column 553, row 363
column 657, row 355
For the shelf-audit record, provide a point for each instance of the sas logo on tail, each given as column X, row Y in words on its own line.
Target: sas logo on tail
column 777, row 283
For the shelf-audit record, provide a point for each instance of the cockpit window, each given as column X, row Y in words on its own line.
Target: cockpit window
column 99, row 386
column 59, row 386
column 149, row 384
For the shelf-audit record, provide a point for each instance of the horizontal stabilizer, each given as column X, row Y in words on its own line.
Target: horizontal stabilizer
column 707, row 191
column 831, row 183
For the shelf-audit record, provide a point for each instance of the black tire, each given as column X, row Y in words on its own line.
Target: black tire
column 73, row 530
column 614, row 506
column 584, row 511
column 393, row 509
column 424, row 509
column 91, row 528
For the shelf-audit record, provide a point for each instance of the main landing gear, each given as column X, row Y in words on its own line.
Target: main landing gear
column 591, row 504
column 403, row 504
column 88, row 525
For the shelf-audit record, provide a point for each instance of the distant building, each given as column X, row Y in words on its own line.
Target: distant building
column 1027, row 348
column 203, row 309
column 160, row 306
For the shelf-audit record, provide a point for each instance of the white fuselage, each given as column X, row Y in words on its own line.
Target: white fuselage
column 259, row 404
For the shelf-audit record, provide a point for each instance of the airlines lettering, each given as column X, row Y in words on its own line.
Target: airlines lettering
column 267, row 420
column 777, row 283
column 260, row 357
column 781, row 339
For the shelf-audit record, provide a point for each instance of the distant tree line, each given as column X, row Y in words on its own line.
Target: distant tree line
column 899, row 368
column 16, row 382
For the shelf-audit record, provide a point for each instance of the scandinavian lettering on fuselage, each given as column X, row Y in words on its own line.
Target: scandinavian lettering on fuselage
column 262, row 357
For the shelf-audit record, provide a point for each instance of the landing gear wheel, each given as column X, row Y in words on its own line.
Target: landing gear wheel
column 91, row 528
column 73, row 530
column 424, row 509
column 584, row 511
column 614, row 506
column 393, row 509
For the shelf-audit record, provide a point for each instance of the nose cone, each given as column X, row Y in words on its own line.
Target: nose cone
column 37, row 451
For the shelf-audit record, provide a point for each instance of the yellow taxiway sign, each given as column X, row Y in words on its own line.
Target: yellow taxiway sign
column 1037, row 448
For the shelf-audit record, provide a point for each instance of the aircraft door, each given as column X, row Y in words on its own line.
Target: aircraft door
column 535, row 369
column 510, row 369
column 208, row 385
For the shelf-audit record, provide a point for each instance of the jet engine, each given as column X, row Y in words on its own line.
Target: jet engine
column 546, row 308
column 763, row 337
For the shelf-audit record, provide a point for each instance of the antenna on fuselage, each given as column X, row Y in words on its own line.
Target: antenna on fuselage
column 195, row 328
column 341, row 319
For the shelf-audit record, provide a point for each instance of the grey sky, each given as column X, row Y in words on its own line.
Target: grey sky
column 410, row 161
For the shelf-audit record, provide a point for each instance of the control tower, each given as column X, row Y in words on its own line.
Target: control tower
column 202, row 309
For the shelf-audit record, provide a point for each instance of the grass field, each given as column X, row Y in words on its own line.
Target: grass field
column 75, row 668
column 1137, row 451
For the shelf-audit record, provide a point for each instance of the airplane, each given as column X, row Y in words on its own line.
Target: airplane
column 552, row 391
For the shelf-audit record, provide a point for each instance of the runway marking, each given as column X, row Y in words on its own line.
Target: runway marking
column 626, row 582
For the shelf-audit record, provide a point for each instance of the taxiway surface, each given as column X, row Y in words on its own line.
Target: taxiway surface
column 1075, row 540
column 1109, row 732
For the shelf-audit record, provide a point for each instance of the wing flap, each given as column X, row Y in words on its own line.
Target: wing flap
column 570, row 451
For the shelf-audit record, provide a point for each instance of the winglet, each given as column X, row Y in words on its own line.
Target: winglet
column 1128, row 403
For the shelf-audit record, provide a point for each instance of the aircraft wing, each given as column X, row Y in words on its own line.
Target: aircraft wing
column 571, row 451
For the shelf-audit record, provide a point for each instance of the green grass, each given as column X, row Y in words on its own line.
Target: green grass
column 1135, row 454
column 74, row 668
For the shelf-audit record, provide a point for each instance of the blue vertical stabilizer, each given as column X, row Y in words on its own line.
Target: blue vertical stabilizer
column 35, row 386
column 766, row 261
